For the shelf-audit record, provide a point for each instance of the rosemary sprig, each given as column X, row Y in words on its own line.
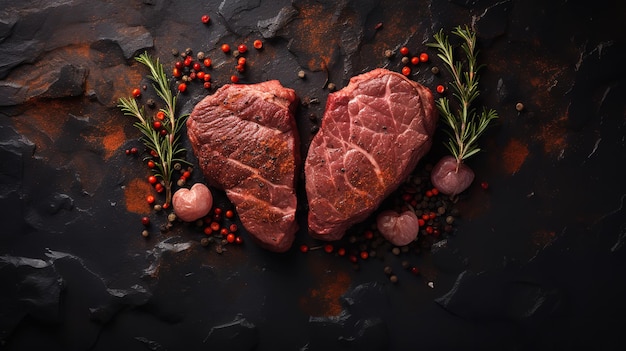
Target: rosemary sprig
column 166, row 147
column 466, row 124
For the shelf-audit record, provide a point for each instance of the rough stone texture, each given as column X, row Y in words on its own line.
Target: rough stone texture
column 543, row 249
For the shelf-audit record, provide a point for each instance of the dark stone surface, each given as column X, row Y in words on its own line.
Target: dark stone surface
column 535, row 262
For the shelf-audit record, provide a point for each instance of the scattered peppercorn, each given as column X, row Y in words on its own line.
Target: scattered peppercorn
column 225, row 48
column 388, row 53
column 242, row 48
column 257, row 44
column 423, row 57
column 519, row 107
column 136, row 92
column 301, row 74
column 145, row 221
column 405, row 60
column 171, row 217
column 205, row 19
column 434, row 70
column 145, row 233
column 404, row 51
column 331, row 86
column 406, row 71
column 441, row 89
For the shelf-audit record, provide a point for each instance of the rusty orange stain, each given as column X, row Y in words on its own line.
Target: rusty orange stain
column 323, row 300
column 135, row 196
column 514, row 155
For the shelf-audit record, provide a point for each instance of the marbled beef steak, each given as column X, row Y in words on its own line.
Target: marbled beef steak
column 246, row 142
column 373, row 133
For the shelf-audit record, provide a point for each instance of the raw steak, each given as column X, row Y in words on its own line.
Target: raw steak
column 246, row 142
column 373, row 133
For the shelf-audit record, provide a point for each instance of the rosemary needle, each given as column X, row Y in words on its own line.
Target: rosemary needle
column 466, row 124
column 167, row 146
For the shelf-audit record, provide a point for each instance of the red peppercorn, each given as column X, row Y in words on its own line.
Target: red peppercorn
column 151, row 164
column 134, row 150
column 208, row 230
column 225, row 48
column 230, row 238
column 423, row 57
column 240, row 68
column 328, row 248
column 127, row 151
column 258, row 44
column 404, row 51
column 188, row 61
column 369, row 235
column 196, row 66
column 241, row 61
column 238, row 240
column 429, row 193
column 182, row 87
column 163, row 132
column 421, row 222
column 224, row 231
column 186, row 174
column 160, row 115
column 152, row 153
column 217, row 211
column 341, row 251
column 215, row 226
column 166, row 205
column 304, row 248
column 136, row 92
column 234, row 79
column 429, row 230
column 145, row 221
column 364, row 255
column 435, row 191
column 176, row 72
column 242, row 48
column 229, row 214
column 233, row 227
column 406, row 70
column 207, row 85
column 432, row 215
column 207, row 62
column 157, row 125
column 179, row 65
column 441, row 89
column 353, row 259
column 415, row 60
column 152, row 179
column 415, row 270
column 158, row 187
column 192, row 75
column 200, row 75
column 205, row 19
column 150, row 199
column 484, row 185
column 425, row 216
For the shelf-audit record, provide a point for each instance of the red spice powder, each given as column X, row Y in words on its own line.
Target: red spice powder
column 324, row 300
column 514, row 155
column 135, row 196
column 114, row 138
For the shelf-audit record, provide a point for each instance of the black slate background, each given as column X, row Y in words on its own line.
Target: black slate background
column 536, row 263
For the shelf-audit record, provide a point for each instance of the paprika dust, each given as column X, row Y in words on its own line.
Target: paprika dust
column 514, row 155
column 135, row 196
